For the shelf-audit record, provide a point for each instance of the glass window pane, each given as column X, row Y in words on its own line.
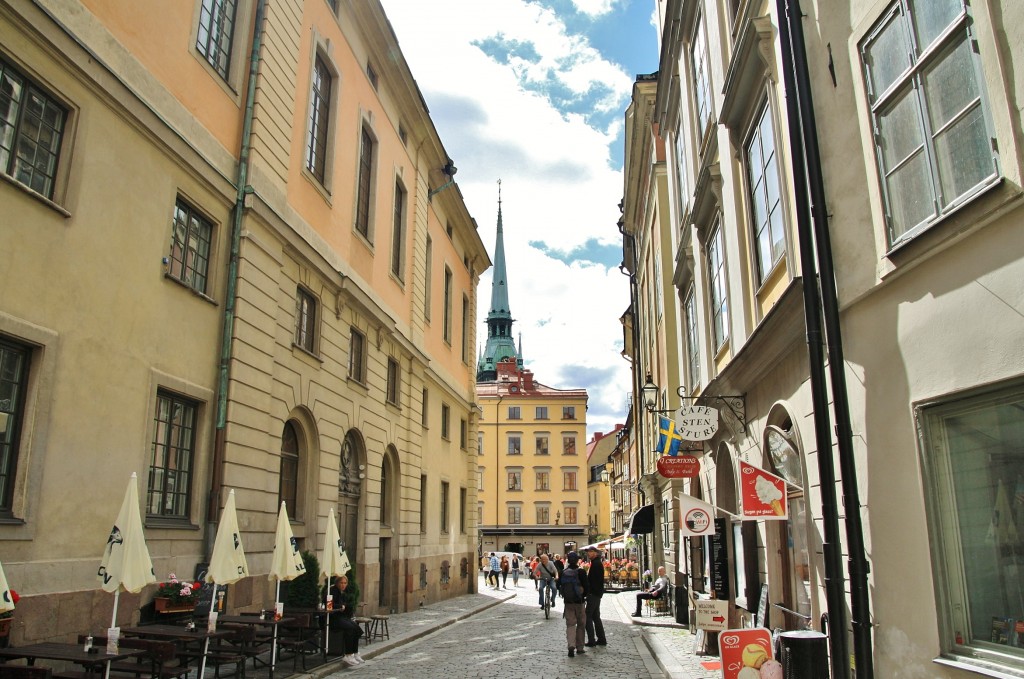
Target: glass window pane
column 931, row 18
column 950, row 84
column 887, row 55
column 964, row 156
column 910, row 195
column 900, row 128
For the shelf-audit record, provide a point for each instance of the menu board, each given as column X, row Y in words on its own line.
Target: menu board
column 720, row 560
column 208, row 594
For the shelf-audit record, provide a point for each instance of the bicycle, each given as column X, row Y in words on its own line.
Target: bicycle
column 549, row 597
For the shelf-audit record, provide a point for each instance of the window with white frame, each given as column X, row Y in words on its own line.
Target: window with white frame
column 570, row 515
column 31, row 131
column 515, row 413
column 716, row 285
column 515, row 444
column 543, row 479
column 515, row 479
column 541, row 441
column 319, row 120
column 701, row 78
column 515, row 514
column 541, row 413
column 568, row 444
column 934, row 146
column 305, row 320
column 973, row 456
column 543, row 514
column 765, row 198
column 569, row 479
column 216, row 30
column 568, row 412
column 692, row 343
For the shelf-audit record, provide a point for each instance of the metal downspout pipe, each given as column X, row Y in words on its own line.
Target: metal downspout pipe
column 834, row 589
column 227, row 334
column 858, row 564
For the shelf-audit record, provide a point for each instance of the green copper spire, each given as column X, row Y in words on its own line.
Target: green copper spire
column 500, row 344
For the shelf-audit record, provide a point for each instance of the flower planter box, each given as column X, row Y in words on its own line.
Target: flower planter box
column 164, row 605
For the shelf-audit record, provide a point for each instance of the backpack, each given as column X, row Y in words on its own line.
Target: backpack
column 570, row 587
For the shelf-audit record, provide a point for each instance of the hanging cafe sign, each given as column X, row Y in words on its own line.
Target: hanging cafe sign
column 696, row 423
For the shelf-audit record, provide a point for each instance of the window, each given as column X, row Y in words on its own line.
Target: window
column 423, row 503
column 428, row 273
column 682, row 200
column 765, row 200
column 288, row 481
column 515, row 444
column 172, row 457
column 568, row 445
column 14, row 367
column 364, row 189
column 543, row 514
column 465, row 329
column 570, row 517
column 929, row 109
column 424, row 419
column 569, row 412
column 216, row 27
column 393, row 380
column 515, row 480
column 716, row 283
column 514, row 413
column 357, row 356
column 542, row 445
column 398, row 233
column 692, row 345
column 480, row 478
column 319, row 121
column 447, row 329
column 444, row 506
column 371, row 75
column 515, row 514
column 479, row 443
column 31, row 132
column 463, row 500
column 305, row 320
column 445, row 421
column 973, row 450
column 543, row 480
column 701, row 79
column 190, row 247
column 569, row 480
column 541, row 413
column 463, row 433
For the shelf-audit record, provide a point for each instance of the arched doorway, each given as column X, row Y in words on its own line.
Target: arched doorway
column 390, row 478
column 350, row 490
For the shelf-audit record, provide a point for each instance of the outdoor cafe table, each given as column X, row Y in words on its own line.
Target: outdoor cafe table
column 69, row 653
column 178, row 635
column 322, row 614
column 258, row 621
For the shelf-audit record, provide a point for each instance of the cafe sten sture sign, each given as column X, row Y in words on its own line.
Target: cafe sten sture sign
column 693, row 423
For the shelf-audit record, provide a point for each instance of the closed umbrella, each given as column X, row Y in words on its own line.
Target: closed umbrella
column 227, row 563
column 286, row 564
column 333, row 561
column 126, row 563
column 6, row 601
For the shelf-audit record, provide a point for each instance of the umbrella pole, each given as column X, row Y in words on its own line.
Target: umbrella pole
column 273, row 648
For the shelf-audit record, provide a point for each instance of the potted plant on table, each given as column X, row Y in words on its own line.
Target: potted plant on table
column 176, row 596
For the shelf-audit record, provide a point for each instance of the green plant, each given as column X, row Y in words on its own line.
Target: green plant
column 304, row 591
column 179, row 591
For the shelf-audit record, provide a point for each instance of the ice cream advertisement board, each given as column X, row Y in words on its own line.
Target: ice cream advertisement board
column 763, row 494
column 747, row 654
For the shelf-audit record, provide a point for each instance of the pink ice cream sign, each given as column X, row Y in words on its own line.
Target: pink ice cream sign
column 763, row 494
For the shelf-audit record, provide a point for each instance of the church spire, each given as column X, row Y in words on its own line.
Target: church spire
column 500, row 344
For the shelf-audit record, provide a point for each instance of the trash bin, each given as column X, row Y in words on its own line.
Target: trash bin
column 804, row 655
column 682, row 605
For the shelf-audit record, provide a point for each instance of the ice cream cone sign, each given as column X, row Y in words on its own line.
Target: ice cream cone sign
column 764, row 494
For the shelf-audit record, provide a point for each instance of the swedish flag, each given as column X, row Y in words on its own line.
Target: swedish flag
column 668, row 438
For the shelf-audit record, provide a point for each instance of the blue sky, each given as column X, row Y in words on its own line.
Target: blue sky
column 534, row 93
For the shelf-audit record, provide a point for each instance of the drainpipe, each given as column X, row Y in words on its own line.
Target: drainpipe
column 857, row 562
column 834, row 594
column 242, row 188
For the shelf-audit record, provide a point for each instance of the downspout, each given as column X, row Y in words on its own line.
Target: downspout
column 242, row 188
column 857, row 562
column 832, row 553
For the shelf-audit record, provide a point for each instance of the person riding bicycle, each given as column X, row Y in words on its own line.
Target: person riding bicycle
column 546, row 574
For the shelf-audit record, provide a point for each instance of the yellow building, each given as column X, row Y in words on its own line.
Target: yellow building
column 236, row 262
column 599, row 450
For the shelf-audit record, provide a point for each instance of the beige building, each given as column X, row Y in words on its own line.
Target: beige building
column 920, row 171
column 237, row 262
column 599, row 450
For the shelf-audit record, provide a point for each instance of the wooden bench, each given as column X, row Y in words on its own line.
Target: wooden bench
column 301, row 638
column 160, row 660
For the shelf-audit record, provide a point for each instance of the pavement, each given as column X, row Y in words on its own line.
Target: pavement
column 667, row 649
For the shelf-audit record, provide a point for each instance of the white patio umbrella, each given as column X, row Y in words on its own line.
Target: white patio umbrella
column 285, row 564
column 227, row 563
column 126, row 563
column 333, row 561
column 6, row 602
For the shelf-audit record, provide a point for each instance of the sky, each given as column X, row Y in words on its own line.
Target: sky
column 534, row 93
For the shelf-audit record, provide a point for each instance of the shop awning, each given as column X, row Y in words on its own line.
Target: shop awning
column 642, row 521
column 617, row 542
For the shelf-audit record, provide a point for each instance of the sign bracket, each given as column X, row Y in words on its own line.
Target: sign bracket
column 736, row 404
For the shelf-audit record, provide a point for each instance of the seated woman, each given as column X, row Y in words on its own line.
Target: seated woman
column 345, row 597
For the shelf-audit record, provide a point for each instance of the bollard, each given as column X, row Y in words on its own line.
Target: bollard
column 804, row 655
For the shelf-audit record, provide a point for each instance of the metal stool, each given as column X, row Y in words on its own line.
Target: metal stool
column 379, row 627
column 367, row 626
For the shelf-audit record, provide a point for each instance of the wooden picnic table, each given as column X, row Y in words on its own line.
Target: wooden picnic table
column 73, row 653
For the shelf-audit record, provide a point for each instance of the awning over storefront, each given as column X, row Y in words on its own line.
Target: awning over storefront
column 642, row 521
column 617, row 542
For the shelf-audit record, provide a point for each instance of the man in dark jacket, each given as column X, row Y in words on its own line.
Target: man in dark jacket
column 575, row 598
column 595, row 580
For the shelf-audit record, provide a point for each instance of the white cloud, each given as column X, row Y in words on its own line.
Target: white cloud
column 593, row 7
column 559, row 186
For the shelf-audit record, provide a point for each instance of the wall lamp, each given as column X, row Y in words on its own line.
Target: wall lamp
column 651, row 392
column 449, row 171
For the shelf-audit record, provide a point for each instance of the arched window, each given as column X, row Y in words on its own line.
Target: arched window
column 288, row 484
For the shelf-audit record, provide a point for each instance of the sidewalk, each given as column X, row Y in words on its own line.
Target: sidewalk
column 670, row 644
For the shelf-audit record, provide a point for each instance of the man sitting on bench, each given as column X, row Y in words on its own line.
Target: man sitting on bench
column 655, row 591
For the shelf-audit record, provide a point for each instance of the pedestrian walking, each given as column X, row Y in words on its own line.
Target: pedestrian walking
column 533, row 568
column 560, row 565
column 504, row 572
column 595, row 590
column 495, row 566
column 573, row 586
column 515, row 570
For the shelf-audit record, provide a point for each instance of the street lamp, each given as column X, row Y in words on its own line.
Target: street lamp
column 650, row 391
